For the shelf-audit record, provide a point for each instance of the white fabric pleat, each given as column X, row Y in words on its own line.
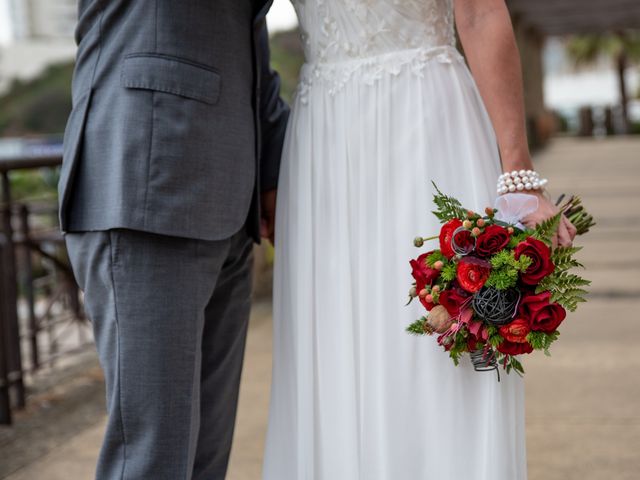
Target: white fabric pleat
column 354, row 397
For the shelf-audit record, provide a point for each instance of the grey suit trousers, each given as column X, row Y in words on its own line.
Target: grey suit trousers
column 170, row 319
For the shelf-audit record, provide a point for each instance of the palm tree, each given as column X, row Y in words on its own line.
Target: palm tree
column 623, row 47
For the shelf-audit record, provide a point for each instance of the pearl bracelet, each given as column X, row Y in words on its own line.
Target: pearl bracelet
column 520, row 181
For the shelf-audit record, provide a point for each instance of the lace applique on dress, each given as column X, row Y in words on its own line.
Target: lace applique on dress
column 341, row 37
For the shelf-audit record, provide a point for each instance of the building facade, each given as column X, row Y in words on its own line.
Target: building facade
column 42, row 19
column 41, row 34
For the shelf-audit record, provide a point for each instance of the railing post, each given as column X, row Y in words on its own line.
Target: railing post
column 27, row 282
column 5, row 399
column 12, row 331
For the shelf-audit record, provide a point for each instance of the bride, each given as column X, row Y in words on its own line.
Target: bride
column 385, row 105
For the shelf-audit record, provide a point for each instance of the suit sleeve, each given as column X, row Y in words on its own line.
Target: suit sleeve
column 274, row 114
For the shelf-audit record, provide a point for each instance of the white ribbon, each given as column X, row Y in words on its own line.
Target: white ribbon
column 512, row 208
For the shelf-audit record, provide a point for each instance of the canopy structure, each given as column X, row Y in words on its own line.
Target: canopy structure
column 535, row 20
column 562, row 17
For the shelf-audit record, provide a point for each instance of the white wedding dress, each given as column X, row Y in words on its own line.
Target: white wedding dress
column 385, row 105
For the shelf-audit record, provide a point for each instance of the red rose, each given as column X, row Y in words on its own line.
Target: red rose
column 446, row 234
column 472, row 273
column 464, row 240
column 492, row 240
column 422, row 273
column 424, row 276
column 541, row 265
column 516, row 331
column 543, row 316
column 452, row 299
column 514, row 348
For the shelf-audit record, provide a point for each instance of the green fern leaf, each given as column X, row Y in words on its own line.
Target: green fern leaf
column 417, row 327
column 448, row 207
column 563, row 258
column 547, row 229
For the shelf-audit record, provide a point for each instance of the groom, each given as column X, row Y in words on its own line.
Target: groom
column 171, row 160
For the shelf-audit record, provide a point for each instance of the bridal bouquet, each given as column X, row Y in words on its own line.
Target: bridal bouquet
column 494, row 288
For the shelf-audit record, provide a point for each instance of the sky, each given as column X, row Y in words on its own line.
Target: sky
column 281, row 16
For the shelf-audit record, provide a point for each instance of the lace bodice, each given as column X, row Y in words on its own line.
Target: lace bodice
column 338, row 30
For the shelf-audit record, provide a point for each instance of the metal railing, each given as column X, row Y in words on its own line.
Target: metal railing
column 41, row 316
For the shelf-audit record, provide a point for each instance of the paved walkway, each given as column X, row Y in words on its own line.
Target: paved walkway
column 583, row 420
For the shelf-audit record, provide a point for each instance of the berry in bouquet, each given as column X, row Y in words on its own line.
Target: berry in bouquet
column 495, row 289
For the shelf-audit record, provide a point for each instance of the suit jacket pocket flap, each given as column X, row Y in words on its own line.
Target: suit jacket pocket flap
column 171, row 75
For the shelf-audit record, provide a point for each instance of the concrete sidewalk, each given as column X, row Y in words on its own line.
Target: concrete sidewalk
column 582, row 417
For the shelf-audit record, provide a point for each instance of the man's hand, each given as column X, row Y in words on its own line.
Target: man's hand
column 268, row 220
column 546, row 209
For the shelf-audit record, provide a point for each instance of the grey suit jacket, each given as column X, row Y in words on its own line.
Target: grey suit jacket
column 177, row 123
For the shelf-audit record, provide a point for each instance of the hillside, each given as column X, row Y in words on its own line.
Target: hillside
column 39, row 106
column 287, row 58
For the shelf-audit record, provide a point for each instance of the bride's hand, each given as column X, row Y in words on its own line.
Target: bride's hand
column 546, row 209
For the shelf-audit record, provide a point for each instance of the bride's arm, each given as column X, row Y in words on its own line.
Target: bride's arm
column 487, row 37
